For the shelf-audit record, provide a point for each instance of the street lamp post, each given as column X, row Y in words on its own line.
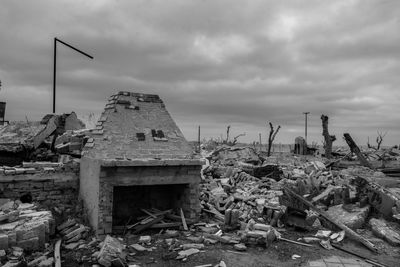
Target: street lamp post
column 55, row 65
column 306, row 113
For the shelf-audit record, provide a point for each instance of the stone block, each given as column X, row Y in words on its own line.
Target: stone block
column 350, row 215
column 12, row 239
column 32, row 230
column 8, row 226
column 110, row 250
column 47, row 262
column 30, row 244
column 12, row 264
column 383, row 230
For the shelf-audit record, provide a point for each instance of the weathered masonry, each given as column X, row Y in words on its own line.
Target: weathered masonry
column 137, row 158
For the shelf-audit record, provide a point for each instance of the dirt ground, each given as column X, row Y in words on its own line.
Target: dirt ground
column 278, row 253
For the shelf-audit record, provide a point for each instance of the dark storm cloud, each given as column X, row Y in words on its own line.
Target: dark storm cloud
column 214, row 63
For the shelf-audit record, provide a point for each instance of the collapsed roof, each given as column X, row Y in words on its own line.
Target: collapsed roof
column 136, row 126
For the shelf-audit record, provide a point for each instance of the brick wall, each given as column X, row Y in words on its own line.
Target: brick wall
column 55, row 189
column 115, row 136
column 147, row 176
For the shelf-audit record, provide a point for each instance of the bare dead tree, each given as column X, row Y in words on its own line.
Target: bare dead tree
column 356, row 150
column 271, row 137
column 328, row 139
column 227, row 141
column 228, row 128
column 236, row 138
column 379, row 140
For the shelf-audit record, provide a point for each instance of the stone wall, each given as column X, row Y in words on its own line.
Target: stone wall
column 54, row 189
column 147, row 176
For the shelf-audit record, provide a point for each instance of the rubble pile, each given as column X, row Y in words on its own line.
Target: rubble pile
column 46, row 140
column 23, row 225
column 241, row 210
column 72, row 233
column 333, row 198
column 246, row 201
column 238, row 197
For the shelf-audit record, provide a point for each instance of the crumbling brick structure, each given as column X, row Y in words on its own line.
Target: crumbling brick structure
column 137, row 158
column 53, row 187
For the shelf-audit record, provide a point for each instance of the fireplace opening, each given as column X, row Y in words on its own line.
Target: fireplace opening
column 128, row 201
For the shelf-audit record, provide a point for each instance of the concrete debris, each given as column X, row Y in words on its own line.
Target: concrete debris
column 337, row 237
column 186, row 253
column 146, row 239
column 240, row 247
column 350, row 215
column 323, row 233
column 23, row 226
column 193, row 245
column 111, row 249
column 72, row 232
column 47, row 262
column 227, row 155
column 326, row 244
column 384, row 230
column 310, row 239
column 138, row 247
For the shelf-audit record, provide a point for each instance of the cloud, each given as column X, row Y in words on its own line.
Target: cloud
column 214, row 63
column 221, row 48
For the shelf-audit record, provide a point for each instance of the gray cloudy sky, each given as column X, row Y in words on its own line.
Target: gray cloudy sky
column 213, row 62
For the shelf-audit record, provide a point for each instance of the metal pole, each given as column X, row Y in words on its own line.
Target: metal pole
column 74, row 48
column 306, row 113
column 55, row 65
column 199, row 140
column 54, row 74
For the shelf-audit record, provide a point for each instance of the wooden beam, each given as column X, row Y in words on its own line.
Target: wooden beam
column 354, row 148
column 142, row 227
column 57, row 254
column 185, row 227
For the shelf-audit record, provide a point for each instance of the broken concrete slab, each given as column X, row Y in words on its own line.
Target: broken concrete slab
column 3, row 241
column 73, row 123
column 36, row 261
column 51, row 126
column 384, row 230
column 111, row 249
column 138, row 247
column 350, row 215
column 240, row 247
column 193, row 245
column 186, row 253
column 47, row 262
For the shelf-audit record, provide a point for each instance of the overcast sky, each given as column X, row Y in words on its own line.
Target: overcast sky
column 214, row 63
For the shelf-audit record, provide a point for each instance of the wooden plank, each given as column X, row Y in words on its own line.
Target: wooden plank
column 140, row 228
column 57, row 255
column 149, row 213
column 185, row 227
column 358, row 255
column 177, row 218
column 166, row 225
column 153, row 215
column 294, row 242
